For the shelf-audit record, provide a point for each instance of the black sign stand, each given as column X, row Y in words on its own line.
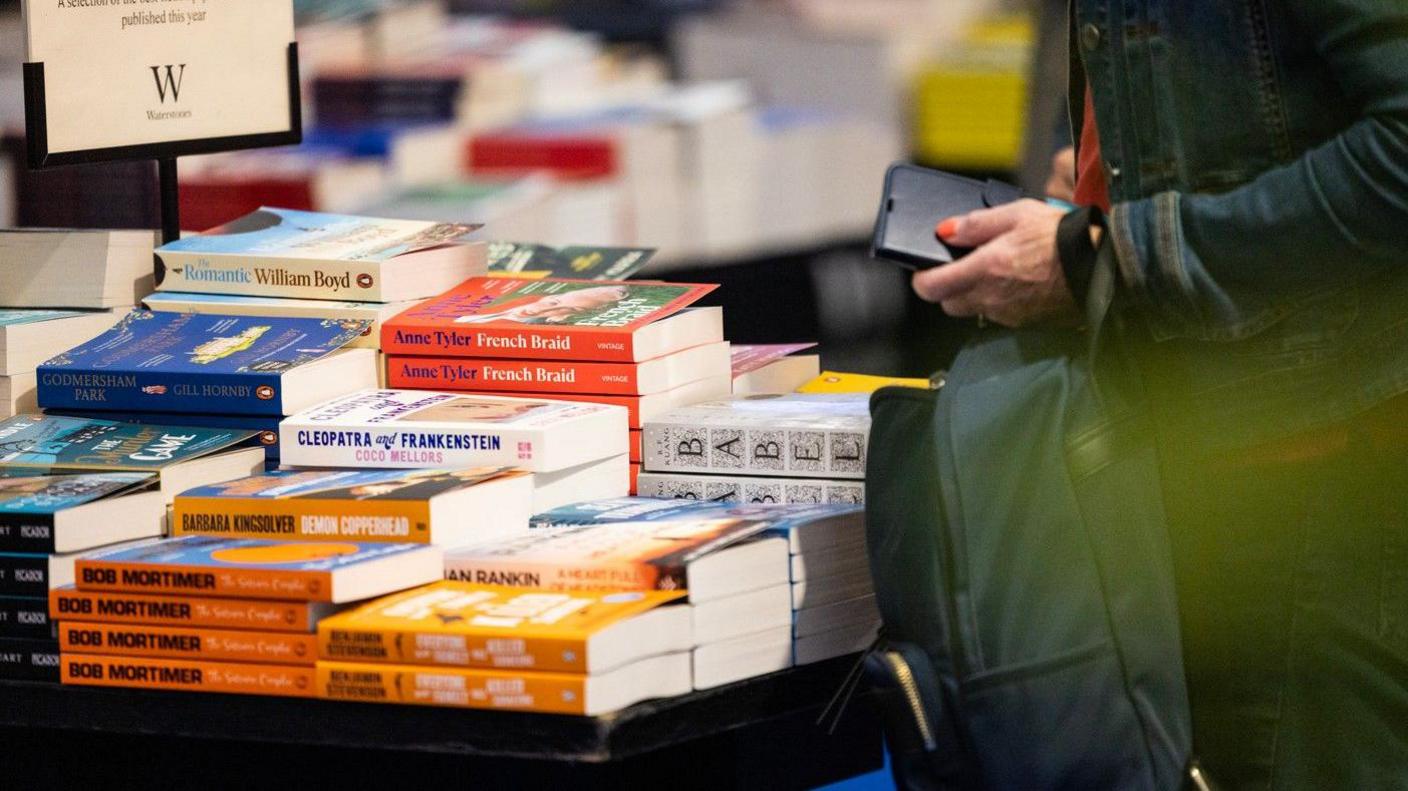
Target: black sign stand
column 165, row 154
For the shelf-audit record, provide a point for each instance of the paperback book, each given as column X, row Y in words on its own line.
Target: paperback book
column 37, row 573
column 759, row 370
column 185, row 675
column 29, row 337
column 556, row 320
column 262, row 430
column 436, row 506
column 70, row 604
column 640, row 408
column 748, row 656
column 459, row 624
column 667, row 675
column 709, row 558
column 186, row 362
column 807, row 528
column 322, row 571
column 29, row 660
column 75, row 268
column 835, row 382
column 25, row 617
column 707, row 362
column 801, row 436
column 68, row 513
column 539, row 261
column 183, row 642
column 412, row 429
column 309, row 255
column 372, row 313
column 738, row 489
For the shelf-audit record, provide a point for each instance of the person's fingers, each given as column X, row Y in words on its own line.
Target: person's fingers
column 948, row 281
column 982, row 226
column 960, row 307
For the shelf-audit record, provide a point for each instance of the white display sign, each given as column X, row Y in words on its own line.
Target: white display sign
column 110, row 79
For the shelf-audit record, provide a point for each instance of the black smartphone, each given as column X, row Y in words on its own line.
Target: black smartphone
column 915, row 201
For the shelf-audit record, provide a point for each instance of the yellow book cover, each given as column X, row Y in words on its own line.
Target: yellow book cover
column 835, row 382
column 67, row 604
column 395, row 506
column 216, row 645
column 462, row 624
column 187, row 676
column 665, row 675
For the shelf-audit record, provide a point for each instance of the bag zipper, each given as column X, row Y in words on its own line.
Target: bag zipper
column 905, row 676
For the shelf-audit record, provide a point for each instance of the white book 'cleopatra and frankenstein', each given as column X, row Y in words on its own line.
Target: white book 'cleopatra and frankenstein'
column 805, row 436
column 75, row 269
column 235, row 305
column 414, row 429
column 286, row 253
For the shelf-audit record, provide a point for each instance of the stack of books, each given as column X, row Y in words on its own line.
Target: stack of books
column 70, row 485
column 297, row 264
column 632, row 344
column 199, row 614
column 59, row 289
column 575, row 451
column 832, row 598
column 736, row 580
column 789, row 448
column 511, row 649
column 214, row 371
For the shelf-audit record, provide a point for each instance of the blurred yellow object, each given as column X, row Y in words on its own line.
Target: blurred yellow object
column 970, row 102
column 833, row 382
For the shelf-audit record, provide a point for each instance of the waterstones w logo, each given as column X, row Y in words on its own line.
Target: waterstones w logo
column 172, row 82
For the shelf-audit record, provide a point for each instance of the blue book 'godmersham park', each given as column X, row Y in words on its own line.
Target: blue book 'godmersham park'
column 189, row 363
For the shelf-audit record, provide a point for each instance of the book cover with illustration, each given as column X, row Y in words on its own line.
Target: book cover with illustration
column 323, row 571
column 177, row 642
column 73, row 444
column 466, row 625
column 619, row 556
column 540, row 261
column 374, row 313
column 28, row 504
column 415, row 429
column 751, row 357
column 555, row 320
column 264, row 429
column 397, row 506
column 186, row 362
column 789, row 435
column 70, row 604
column 287, row 253
column 804, row 524
column 185, row 675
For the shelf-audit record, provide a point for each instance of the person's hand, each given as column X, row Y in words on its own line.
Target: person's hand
column 1013, row 276
column 1061, row 184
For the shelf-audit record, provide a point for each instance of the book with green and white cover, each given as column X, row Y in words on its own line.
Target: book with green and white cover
column 311, row 255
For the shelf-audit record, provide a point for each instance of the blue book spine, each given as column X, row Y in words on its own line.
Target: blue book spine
column 160, row 391
column 26, row 617
column 24, row 574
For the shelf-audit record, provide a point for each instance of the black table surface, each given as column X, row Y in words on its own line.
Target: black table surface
column 798, row 695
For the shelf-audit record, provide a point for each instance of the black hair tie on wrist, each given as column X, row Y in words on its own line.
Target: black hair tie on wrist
column 1076, row 251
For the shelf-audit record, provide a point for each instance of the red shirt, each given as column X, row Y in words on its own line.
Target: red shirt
column 1091, row 189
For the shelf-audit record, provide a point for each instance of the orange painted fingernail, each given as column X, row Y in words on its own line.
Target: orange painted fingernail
column 948, row 228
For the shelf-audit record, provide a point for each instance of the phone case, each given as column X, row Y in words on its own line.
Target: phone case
column 915, row 200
